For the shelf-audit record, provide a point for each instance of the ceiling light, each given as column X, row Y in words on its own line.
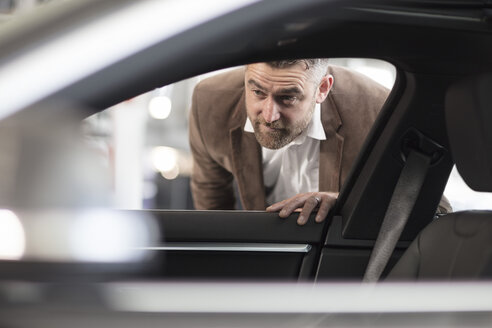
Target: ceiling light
column 160, row 107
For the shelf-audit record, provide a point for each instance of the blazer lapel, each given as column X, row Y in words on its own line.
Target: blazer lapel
column 331, row 149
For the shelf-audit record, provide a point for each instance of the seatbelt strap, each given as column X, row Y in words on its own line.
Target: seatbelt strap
column 402, row 201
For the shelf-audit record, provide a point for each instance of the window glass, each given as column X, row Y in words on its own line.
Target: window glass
column 462, row 197
column 144, row 140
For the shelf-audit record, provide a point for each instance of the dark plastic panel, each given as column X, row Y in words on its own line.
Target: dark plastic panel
column 231, row 265
column 234, row 226
column 348, row 263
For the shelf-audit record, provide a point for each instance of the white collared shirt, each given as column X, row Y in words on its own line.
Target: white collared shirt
column 294, row 168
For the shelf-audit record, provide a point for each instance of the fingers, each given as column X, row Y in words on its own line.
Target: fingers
column 277, row 206
column 328, row 200
column 293, row 204
column 325, row 207
column 287, row 206
column 307, row 203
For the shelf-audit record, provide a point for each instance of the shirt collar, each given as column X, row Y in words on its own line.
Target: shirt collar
column 314, row 130
column 248, row 127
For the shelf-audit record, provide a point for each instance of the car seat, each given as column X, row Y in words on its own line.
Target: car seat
column 458, row 246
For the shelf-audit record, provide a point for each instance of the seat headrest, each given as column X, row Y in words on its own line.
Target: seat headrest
column 468, row 107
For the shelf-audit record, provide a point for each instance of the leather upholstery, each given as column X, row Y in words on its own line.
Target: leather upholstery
column 453, row 247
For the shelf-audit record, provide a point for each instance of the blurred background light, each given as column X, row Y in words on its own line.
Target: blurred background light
column 12, row 236
column 164, row 159
column 107, row 236
column 160, row 107
column 171, row 174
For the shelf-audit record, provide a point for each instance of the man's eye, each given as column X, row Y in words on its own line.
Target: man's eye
column 258, row 93
column 288, row 99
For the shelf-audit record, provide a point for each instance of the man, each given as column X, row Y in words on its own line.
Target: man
column 287, row 132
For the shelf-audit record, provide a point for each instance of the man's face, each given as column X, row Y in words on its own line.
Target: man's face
column 280, row 101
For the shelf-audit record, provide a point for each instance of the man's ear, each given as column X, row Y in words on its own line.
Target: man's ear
column 324, row 88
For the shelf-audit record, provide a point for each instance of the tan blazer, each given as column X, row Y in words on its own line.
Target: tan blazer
column 223, row 151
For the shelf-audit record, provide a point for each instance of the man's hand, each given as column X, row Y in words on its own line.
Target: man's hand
column 306, row 203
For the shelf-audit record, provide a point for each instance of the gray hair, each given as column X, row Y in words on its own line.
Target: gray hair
column 319, row 66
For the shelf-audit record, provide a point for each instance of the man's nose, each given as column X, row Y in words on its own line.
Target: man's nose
column 271, row 111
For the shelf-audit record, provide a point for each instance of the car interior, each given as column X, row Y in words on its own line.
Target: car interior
column 455, row 247
column 385, row 218
column 412, row 118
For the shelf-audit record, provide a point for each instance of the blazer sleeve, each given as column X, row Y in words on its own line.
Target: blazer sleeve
column 211, row 183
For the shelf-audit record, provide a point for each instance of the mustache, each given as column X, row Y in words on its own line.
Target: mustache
column 278, row 124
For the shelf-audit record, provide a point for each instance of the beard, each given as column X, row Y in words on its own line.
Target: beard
column 277, row 134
